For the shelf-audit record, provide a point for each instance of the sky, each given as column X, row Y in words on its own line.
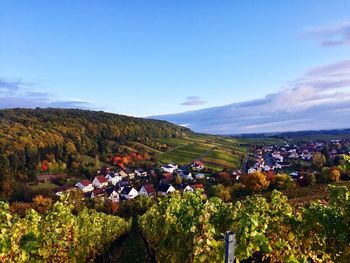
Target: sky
column 146, row 58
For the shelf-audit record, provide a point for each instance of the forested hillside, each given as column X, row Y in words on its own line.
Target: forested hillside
column 59, row 136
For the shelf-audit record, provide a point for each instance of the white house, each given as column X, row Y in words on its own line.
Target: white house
column 187, row 175
column 85, row 186
column 113, row 179
column 164, row 189
column 197, row 165
column 62, row 189
column 193, row 187
column 147, row 190
column 112, row 194
column 123, row 174
column 99, row 181
column 98, row 192
column 267, row 168
column 199, row 176
column 169, row 168
column 251, row 170
column 129, row 192
column 141, row 173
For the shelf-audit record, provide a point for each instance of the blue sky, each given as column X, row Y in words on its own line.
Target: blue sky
column 146, row 58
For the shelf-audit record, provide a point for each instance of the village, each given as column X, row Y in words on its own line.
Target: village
column 119, row 185
column 290, row 158
column 126, row 184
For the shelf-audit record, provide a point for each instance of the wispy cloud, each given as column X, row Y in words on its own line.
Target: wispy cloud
column 319, row 99
column 333, row 35
column 20, row 94
column 193, row 101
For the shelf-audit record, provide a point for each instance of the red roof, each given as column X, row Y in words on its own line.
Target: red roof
column 101, row 179
column 85, row 182
column 98, row 191
column 198, row 163
column 167, row 175
column 197, row 186
column 149, row 188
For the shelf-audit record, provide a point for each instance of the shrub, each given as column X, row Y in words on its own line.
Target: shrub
column 255, row 182
column 283, row 181
column 310, row 178
column 334, row 175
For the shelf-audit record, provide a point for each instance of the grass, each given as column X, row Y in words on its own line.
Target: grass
column 217, row 152
column 43, row 186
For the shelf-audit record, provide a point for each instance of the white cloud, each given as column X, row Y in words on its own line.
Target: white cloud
column 193, row 101
column 320, row 99
column 329, row 36
column 20, row 94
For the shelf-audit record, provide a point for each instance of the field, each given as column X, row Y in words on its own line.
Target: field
column 216, row 152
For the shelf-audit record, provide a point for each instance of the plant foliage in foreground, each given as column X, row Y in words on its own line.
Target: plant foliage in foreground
column 58, row 236
column 190, row 228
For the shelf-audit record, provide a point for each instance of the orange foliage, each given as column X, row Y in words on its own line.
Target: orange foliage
column 255, row 182
column 42, row 204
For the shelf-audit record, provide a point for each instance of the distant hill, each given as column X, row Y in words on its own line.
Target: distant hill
column 29, row 136
column 300, row 135
column 261, row 116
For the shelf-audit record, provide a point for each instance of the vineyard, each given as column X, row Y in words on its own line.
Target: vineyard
column 58, row 235
column 190, row 228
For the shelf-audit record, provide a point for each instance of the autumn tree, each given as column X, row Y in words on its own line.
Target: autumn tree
column 319, row 159
column 283, row 181
column 221, row 191
column 334, row 175
column 178, row 179
column 42, row 204
column 256, row 181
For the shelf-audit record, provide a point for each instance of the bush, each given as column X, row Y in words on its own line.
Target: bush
column 222, row 192
column 283, row 181
column 255, row 182
column 334, row 175
column 310, row 178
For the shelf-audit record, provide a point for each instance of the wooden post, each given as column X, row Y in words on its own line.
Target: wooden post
column 230, row 242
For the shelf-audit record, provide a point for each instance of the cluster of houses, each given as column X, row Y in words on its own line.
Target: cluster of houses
column 274, row 157
column 118, row 185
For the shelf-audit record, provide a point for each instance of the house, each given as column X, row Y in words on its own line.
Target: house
column 167, row 177
column 123, row 174
column 267, row 168
column 85, row 186
column 164, row 189
column 128, row 192
column 294, row 175
column 98, row 192
column 112, row 194
column 197, row 165
column 293, row 155
column 186, row 175
column 113, row 178
column 169, row 168
column 199, row 176
column 130, row 173
column 193, row 187
column 251, row 170
column 141, row 173
column 62, row 189
column 99, row 181
column 124, row 183
column 236, row 174
column 147, row 190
